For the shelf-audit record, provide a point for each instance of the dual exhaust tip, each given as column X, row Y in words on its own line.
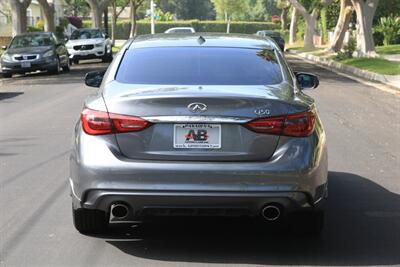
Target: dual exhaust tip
column 271, row 212
column 119, row 211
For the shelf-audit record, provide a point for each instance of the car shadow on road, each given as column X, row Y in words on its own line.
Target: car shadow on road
column 362, row 228
column 7, row 95
column 75, row 75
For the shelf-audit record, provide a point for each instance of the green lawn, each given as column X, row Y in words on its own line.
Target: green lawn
column 377, row 65
column 115, row 49
column 388, row 50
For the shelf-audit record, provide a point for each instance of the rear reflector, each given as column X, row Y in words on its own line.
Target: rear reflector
column 96, row 122
column 299, row 124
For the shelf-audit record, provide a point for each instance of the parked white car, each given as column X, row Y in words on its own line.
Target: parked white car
column 180, row 30
column 89, row 44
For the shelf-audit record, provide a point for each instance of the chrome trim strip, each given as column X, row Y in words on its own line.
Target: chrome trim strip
column 23, row 57
column 190, row 119
column 71, row 183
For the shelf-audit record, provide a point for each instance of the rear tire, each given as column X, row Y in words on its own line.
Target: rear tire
column 89, row 221
column 75, row 61
column 66, row 68
column 7, row 75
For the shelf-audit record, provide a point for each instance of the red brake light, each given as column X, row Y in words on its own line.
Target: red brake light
column 272, row 125
column 299, row 124
column 96, row 122
column 123, row 123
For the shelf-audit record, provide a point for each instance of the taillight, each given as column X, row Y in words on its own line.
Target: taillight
column 272, row 125
column 96, row 122
column 299, row 124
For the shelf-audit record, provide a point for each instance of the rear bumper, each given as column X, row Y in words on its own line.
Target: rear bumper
column 295, row 177
column 178, row 203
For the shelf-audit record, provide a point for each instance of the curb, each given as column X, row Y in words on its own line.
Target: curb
column 390, row 80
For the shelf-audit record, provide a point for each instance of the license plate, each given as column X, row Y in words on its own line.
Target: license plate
column 197, row 135
column 25, row 64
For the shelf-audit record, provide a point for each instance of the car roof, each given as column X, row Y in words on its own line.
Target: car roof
column 34, row 33
column 201, row 39
column 87, row 29
column 181, row 28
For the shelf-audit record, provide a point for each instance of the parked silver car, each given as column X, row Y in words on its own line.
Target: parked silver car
column 181, row 30
column 199, row 125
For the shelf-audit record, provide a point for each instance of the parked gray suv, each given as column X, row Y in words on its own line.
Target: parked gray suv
column 199, row 125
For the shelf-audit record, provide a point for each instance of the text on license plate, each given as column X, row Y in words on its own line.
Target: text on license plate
column 25, row 64
column 195, row 135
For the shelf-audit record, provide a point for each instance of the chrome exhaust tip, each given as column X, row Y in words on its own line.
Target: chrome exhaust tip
column 119, row 211
column 271, row 213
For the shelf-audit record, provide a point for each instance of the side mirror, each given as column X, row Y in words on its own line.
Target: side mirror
column 66, row 39
column 106, row 36
column 4, row 47
column 94, row 78
column 307, row 80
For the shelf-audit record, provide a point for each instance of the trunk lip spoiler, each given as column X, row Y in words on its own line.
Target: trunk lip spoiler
column 196, row 119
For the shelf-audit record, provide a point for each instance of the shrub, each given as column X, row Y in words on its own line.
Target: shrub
column 390, row 27
column 34, row 29
column 76, row 21
column 40, row 24
column 348, row 50
column 123, row 26
column 275, row 19
column 378, row 37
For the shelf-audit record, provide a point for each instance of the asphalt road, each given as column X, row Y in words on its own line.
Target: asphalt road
column 37, row 115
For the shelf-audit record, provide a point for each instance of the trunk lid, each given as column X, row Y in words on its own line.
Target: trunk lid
column 228, row 107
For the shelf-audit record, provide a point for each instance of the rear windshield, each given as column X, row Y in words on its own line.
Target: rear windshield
column 199, row 66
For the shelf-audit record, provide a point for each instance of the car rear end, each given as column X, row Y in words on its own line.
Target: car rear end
column 198, row 131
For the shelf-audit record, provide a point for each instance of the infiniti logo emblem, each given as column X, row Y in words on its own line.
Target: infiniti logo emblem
column 197, row 107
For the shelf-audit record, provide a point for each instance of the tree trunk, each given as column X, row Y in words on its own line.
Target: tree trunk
column 311, row 21
column 365, row 10
column 105, row 20
column 284, row 15
column 97, row 7
column 18, row 15
column 133, row 19
column 48, row 12
column 293, row 26
column 342, row 25
column 113, row 21
column 96, row 18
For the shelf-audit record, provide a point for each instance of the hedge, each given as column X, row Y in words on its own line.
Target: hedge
column 123, row 27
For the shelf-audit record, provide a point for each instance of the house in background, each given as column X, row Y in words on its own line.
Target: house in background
column 34, row 14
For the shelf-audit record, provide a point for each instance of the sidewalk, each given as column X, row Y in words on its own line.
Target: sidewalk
column 390, row 80
column 119, row 43
column 392, row 57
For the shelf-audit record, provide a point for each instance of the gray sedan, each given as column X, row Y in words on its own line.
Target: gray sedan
column 35, row 51
column 199, row 125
